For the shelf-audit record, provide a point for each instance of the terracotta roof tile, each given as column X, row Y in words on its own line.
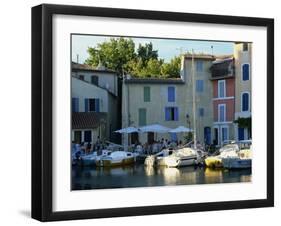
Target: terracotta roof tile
column 87, row 120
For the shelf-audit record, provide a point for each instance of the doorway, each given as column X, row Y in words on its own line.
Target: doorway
column 77, row 137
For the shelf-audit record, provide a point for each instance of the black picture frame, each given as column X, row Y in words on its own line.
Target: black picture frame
column 42, row 111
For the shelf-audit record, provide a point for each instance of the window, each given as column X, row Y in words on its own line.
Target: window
column 221, row 112
column 95, row 80
column 245, row 101
column 171, row 114
column 241, row 134
column 245, row 47
column 142, row 116
column 199, row 86
column 75, row 104
column 87, row 136
column 92, row 105
column 77, row 137
column 245, row 72
column 224, row 133
column 146, row 94
column 82, row 77
column 221, row 88
column 201, row 112
column 171, row 94
column 199, row 66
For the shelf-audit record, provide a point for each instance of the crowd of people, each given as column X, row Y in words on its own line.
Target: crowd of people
column 156, row 146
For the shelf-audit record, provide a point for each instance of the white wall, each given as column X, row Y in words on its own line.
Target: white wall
column 15, row 122
column 105, row 80
column 82, row 90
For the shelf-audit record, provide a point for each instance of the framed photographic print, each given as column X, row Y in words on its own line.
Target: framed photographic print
column 145, row 112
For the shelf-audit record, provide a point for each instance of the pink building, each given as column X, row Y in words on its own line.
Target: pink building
column 223, row 82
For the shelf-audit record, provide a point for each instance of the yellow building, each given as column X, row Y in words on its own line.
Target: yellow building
column 243, row 62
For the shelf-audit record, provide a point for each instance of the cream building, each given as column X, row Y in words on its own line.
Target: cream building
column 169, row 101
column 243, row 62
column 95, row 104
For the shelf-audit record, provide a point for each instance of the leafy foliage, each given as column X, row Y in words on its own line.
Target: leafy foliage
column 172, row 69
column 119, row 55
column 245, row 123
column 114, row 54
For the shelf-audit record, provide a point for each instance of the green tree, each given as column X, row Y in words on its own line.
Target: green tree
column 146, row 52
column 245, row 123
column 172, row 69
column 119, row 54
column 113, row 54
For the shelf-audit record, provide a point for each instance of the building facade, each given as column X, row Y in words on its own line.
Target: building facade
column 243, row 62
column 223, row 80
column 95, row 100
column 169, row 102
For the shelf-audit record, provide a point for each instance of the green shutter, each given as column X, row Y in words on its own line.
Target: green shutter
column 146, row 94
column 142, row 116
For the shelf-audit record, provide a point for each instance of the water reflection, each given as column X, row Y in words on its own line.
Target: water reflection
column 140, row 176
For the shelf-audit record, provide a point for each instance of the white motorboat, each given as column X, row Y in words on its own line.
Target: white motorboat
column 178, row 158
column 241, row 161
column 151, row 160
column 116, row 158
column 188, row 157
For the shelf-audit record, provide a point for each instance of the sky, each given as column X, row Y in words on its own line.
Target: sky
column 167, row 48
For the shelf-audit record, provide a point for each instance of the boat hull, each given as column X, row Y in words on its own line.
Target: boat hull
column 236, row 163
column 167, row 161
column 213, row 162
column 188, row 161
column 112, row 163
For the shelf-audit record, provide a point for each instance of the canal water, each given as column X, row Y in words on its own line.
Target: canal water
column 84, row 178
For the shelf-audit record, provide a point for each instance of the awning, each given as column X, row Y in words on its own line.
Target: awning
column 127, row 130
column 154, row 128
column 180, row 129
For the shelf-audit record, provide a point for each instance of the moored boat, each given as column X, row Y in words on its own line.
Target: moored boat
column 116, row 158
column 229, row 150
column 179, row 158
column 242, row 161
column 90, row 159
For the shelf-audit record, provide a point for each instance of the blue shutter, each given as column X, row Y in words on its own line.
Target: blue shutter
column 224, row 134
column 241, row 134
column 97, row 103
column 171, row 94
column 74, row 104
column 246, row 72
column 86, row 104
column 167, row 114
column 245, row 102
column 77, row 105
column 88, row 136
column 176, row 114
column 199, row 66
column 207, row 135
column 199, row 85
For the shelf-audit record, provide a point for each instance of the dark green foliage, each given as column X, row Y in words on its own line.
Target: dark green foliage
column 119, row 54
